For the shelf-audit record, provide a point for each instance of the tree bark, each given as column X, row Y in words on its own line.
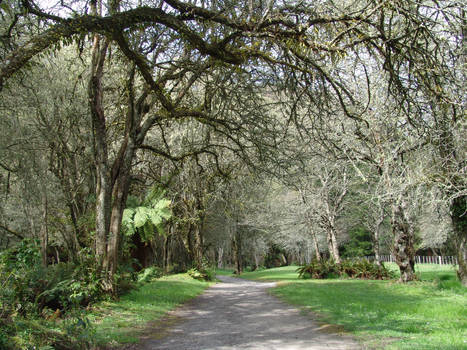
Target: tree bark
column 403, row 243
column 459, row 223
column 44, row 229
column 376, row 235
column 220, row 256
column 315, row 245
column 166, row 258
column 120, row 194
column 103, row 187
column 237, row 251
column 335, row 251
column 328, row 225
column 198, row 247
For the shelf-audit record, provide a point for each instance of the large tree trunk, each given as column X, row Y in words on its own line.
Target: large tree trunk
column 120, row 194
column 459, row 204
column 459, row 223
column 403, row 243
column 103, row 188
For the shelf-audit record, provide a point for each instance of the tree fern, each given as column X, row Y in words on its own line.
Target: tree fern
column 147, row 216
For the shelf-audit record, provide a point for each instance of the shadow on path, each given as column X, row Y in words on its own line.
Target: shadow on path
column 240, row 314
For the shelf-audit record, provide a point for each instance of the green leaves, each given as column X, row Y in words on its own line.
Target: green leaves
column 148, row 217
column 141, row 216
column 5, row 7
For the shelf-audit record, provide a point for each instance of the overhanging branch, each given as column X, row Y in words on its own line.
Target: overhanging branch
column 13, row 232
column 109, row 26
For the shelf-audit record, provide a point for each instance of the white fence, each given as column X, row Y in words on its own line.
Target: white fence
column 440, row 260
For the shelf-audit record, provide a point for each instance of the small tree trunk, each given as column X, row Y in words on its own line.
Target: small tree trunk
column 459, row 223
column 237, row 252
column 403, row 244
column 57, row 254
column 44, row 229
column 376, row 234
column 166, row 258
column 335, row 249
column 315, row 245
column 220, row 256
column 198, row 247
column 256, row 257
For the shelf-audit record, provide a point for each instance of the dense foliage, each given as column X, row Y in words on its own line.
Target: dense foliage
column 34, row 297
column 350, row 268
column 203, row 274
column 30, row 288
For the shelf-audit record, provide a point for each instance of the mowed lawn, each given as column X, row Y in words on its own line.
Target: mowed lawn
column 429, row 314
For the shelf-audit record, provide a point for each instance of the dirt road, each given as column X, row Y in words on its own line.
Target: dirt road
column 240, row 314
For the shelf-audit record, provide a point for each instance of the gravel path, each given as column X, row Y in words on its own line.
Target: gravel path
column 240, row 314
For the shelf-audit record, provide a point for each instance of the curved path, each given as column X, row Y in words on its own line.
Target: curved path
column 240, row 314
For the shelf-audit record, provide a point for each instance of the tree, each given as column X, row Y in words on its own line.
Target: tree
column 298, row 53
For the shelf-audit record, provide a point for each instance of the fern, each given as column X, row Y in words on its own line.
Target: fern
column 148, row 216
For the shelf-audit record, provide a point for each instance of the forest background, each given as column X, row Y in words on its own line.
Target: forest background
column 249, row 133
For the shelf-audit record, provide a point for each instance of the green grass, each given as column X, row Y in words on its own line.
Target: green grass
column 286, row 273
column 430, row 314
column 224, row 272
column 123, row 321
column 110, row 323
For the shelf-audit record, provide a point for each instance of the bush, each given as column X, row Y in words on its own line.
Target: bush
column 33, row 297
column 149, row 274
column 74, row 334
column 29, row 288
column 361, row 269
column 204, row 274
column 359, row 245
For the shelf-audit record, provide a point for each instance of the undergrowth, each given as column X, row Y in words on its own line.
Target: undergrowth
column 350, row 268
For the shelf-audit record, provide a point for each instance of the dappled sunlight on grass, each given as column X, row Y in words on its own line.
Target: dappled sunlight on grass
column 419, row 315
column 285, row 273
column 428, row 272
column 119, row 321
column 224, row 272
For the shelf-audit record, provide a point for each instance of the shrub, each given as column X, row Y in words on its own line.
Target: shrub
column 318, row 269
column 361, row 269
column 359, row 245
column 149, row 274
column 28, row 287
column 204, row 274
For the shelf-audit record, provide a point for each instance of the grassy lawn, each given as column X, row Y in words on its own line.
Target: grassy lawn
column 430, row 314
column 123, row 321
